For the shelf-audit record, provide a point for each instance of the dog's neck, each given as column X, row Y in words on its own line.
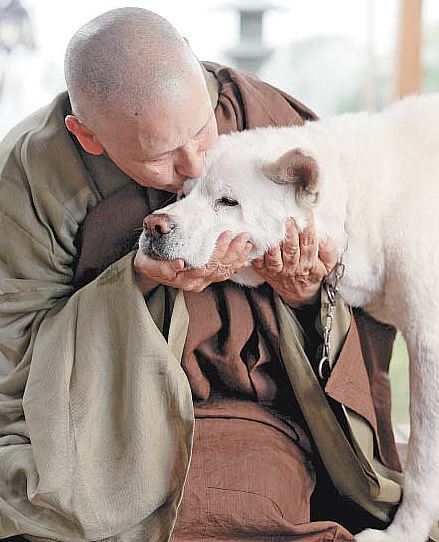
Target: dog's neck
column 355, row 198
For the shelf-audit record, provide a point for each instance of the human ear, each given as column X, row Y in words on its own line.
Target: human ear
column 88, row 141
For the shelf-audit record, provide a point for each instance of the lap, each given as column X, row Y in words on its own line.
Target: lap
column 249, row 481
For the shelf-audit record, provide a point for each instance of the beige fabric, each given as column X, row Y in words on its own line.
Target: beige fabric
column 108, row 414
column 110, row 417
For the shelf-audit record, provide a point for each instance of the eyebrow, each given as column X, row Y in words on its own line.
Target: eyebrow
column 174, row 149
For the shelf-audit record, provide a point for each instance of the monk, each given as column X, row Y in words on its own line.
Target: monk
column 140, row 400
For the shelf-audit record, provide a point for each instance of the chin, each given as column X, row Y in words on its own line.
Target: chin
column 173, row 188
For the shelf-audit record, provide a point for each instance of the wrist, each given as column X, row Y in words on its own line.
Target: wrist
column 303, row 303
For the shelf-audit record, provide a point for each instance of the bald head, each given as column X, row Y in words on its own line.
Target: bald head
column 127, row 61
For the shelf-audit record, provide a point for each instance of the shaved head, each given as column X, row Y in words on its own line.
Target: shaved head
column 139, row 96
column 126, row 61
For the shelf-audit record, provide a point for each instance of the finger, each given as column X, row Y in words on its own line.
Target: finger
column 189, row 284
column 159, row 270
column 193, row 274
column 290, row 245
column 308, row 244
column 168, row 269
column 327, row 254
column 177, row 265
column 221, row 246
column 273, row 260
column 236, row 248
column 245, row 254
column 228, row 256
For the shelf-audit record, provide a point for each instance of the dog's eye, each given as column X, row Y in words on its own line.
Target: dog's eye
column 228, row 201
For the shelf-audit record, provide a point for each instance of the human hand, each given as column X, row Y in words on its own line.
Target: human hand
column 226, row 260
column 295, row 268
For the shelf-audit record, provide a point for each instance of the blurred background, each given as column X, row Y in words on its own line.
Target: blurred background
column 337, row 56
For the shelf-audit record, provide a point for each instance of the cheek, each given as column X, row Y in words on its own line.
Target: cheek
column 156, row 176
column 160, row 172
column 209, row 138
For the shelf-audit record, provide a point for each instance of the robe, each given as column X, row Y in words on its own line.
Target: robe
column 96, row 412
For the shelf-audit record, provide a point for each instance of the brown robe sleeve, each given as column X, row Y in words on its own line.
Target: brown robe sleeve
column 246, row 102
column 376, row 340
column 111, row 229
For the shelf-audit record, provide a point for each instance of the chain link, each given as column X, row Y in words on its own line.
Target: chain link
column 331, row 286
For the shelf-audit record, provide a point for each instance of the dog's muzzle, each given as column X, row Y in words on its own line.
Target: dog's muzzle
column 157, row 230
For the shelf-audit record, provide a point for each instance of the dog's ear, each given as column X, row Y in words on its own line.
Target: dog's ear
column 297, row 169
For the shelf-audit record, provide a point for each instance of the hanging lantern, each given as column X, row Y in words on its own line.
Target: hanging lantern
column 15, row 26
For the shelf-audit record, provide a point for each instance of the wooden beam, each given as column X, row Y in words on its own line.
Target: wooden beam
column 408, row 78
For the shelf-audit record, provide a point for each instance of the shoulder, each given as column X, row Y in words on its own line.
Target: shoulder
column 40, row 165
column 39, row 146
column 39, row 128
column 264, row 104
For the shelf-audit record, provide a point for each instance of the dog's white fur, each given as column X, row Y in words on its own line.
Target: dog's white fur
column 379, row 181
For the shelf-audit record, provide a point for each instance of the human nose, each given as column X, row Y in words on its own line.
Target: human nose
column 190, row 160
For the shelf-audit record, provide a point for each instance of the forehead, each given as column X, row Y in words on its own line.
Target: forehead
column 163, row 126
column 231, row 162
column 232, row 173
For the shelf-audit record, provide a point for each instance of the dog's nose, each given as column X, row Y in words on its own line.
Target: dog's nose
column 158, row 224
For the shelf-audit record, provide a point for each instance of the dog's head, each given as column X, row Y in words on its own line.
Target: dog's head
column 249, row 185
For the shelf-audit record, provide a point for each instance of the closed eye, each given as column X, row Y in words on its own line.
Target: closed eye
column 227, row 202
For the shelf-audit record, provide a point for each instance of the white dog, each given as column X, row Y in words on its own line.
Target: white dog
column 373, row 176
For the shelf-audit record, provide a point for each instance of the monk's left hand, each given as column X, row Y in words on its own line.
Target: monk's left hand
column 296, row 267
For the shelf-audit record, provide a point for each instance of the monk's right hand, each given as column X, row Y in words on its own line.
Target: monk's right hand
column 229, row 256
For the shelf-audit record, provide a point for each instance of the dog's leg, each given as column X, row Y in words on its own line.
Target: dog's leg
column 420, row 505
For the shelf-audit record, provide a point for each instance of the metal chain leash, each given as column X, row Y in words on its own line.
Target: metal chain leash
column 331, row 286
